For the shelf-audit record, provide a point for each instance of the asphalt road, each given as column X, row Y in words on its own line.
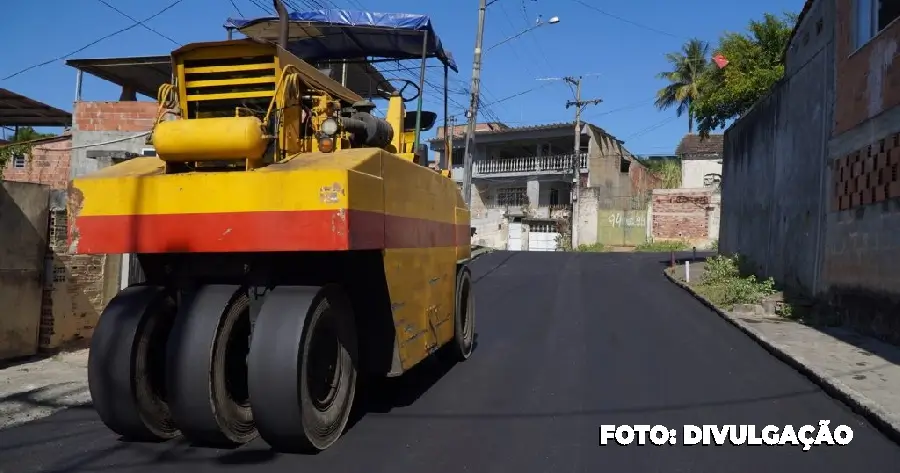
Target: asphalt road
column 566, row 342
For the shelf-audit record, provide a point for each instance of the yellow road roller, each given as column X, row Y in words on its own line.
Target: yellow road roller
column 291, row 240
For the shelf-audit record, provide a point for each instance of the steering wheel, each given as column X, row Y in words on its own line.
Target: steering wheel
column 406, row 83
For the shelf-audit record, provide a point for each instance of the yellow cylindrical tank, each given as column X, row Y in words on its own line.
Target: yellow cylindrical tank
column 210, row 139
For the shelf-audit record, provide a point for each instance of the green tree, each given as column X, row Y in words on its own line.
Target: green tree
column 27, row 133
column 683, row 89
column 755, row 64
column 18, row 144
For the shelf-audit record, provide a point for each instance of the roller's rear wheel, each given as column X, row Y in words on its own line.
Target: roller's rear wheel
column 303, row 367
column 460, row 348
column 127, row 361
column 207, row 364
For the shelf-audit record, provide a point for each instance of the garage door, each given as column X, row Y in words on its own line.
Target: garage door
column 514, row 242
column 542, row 237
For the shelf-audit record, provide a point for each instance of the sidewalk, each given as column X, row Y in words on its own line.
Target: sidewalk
column 860, row 371
column 38, row 389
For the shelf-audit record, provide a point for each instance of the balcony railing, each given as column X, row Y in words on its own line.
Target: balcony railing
column 527, row 164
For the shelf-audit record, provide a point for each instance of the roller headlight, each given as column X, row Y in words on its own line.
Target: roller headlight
column 330, row 127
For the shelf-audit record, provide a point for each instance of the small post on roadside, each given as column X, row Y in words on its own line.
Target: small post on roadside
column 687, row 271
column 695, row 254
column 672, row 259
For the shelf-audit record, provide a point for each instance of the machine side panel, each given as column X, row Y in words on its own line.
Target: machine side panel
column 420, row 256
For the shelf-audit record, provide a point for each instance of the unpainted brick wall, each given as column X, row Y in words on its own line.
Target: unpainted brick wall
column 115, row 116
column 48, row 164
column 682, row 214
column 74, row 291
column 868, row 80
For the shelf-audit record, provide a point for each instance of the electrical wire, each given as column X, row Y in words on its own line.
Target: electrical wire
column 238, row 10
column 114, row 33
column 139, row 22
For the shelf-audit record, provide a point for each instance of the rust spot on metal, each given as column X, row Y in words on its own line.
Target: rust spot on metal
column 75, row 204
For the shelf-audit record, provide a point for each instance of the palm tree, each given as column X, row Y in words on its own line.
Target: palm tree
column 683, row 89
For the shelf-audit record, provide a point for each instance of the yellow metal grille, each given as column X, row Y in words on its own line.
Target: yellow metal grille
column 217, row 87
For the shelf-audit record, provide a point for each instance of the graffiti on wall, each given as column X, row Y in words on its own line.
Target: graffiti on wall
column 618, row 220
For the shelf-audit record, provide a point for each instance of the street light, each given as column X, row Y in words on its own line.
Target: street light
column 475, row 94
column 552, row 21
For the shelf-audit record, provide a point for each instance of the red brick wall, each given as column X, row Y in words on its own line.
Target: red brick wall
column 642, row 180
column 48, row 164
column 855, row 100
column 682, row 214
column 114, row 116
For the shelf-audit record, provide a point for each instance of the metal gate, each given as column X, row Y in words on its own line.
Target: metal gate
column 514, row 240
column 622, row 221
column 542, row 236
column 24, row 220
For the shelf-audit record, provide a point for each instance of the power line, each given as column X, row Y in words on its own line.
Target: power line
column 176, row 2
column 238, row 10
column 626, row 20
column 126, row 15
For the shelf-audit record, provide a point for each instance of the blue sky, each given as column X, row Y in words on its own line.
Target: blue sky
column 621, row 44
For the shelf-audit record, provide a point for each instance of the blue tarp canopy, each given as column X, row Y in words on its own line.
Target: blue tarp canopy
column 344, row 34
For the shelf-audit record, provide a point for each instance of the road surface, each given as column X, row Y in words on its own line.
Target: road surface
column 566, row 342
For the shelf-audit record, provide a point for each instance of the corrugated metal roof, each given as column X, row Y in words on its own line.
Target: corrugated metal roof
column 19, row 110
column 519, row 129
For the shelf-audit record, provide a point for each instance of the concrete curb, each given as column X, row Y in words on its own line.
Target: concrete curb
column 476, row 252
column 858, row 403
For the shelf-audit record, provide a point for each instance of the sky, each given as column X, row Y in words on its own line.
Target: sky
column 618, row 46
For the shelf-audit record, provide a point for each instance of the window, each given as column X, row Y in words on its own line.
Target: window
column 554, row 196
column 459, row 155
column 19, row 161
column 512, row 196
column 148, row 151
column 872, row 16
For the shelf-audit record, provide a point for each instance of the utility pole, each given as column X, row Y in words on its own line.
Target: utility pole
column 576, row 161
column 473, row 106
column 451, row 125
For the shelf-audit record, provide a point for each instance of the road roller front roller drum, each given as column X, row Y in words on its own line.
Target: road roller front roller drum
column 303, row 367
column 126, row 364
column 206, row 363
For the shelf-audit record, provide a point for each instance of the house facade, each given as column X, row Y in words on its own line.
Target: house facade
column 810, row 179
column 701, row 160
column 522, row 183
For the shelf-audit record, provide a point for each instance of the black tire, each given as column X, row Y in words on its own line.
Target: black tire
column 463, row 342
column 283, row 363
column 126, row 364
column 206, row 362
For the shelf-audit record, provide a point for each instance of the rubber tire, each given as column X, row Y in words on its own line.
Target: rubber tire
column 463, row 342
column 282, row 406
column 201, row 405
column 134, row 325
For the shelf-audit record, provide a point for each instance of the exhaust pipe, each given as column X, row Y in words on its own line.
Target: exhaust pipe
column 282, row 23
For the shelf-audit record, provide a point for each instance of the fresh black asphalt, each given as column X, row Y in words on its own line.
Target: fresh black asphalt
column 566, row 342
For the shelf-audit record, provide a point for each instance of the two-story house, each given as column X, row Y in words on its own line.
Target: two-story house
column 522, row 181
